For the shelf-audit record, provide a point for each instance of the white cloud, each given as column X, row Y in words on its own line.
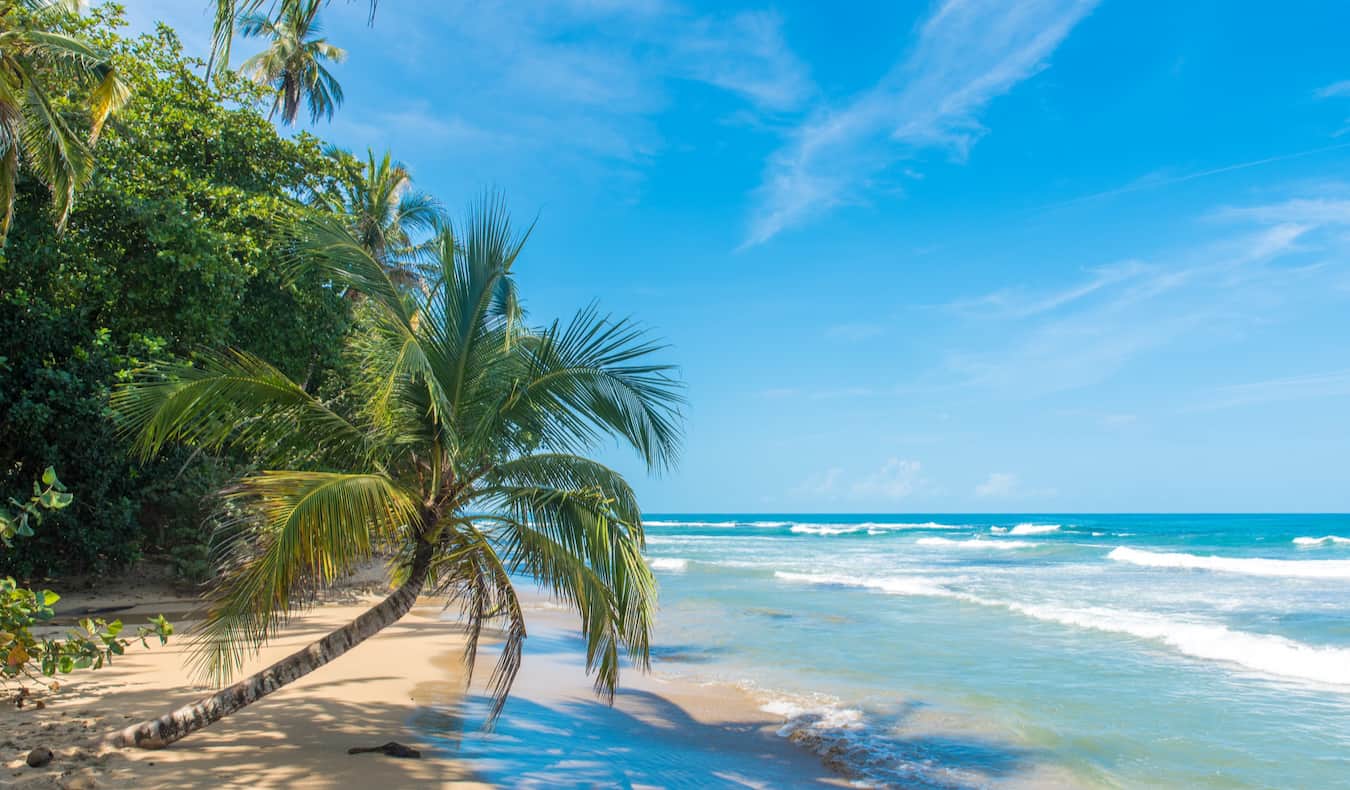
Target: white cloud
column 998, row 484
column 896, row 479
column 968, row 52
column 745, row 54
column 1291, row 388
column 589, row 77
column 1341, row 88
column 824, row 484
column 1084, row 333
column 1017, row 303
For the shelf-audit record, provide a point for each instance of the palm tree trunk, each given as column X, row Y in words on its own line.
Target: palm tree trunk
column 158, row 733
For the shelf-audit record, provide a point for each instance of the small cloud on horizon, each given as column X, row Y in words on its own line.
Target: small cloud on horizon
column 998, row 484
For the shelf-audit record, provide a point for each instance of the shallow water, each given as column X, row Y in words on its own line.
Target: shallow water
column 1176, row 651
column 1019, row 650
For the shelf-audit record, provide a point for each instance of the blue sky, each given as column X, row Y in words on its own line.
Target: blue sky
column 971, row 255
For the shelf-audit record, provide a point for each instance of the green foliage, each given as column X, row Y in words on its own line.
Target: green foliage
column 39, row 61
column 169, row 249
column 292, row 65
column 18, row 522
column 28, row 656
column 461, row 436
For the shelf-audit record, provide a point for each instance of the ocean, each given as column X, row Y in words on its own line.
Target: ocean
column 1191, row 651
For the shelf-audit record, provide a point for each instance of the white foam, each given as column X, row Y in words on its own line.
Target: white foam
column 827, row 529
column 870, row 527
column 689, row 523
column 977, row 543
column 896, row 585
column 1251, row 566
column 669, row 564
column 1322, row 541
column 768, row 523
column 1034, row 529
column 1265, row 653
column 827, row 715
column 843, row 737
column 998, row 530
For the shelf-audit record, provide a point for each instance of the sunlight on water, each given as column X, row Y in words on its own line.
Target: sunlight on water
column 1180, row 651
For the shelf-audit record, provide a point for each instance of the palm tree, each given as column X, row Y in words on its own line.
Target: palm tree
column 33, row 132
column 460, row 445
column 228, row 12
column 292, row 64
column 384, row 210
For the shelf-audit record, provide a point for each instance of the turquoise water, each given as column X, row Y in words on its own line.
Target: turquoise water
column 948, row 650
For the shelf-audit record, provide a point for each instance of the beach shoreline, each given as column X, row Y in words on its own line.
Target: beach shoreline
column 405, row 685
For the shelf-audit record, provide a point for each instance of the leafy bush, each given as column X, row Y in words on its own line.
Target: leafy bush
column 170, row 249
column 25, row 656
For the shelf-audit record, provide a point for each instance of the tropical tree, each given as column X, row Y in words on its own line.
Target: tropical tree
column 461, row 444
column 292, row 64
column 34, row 53
column 383, row 208
column 227, row 14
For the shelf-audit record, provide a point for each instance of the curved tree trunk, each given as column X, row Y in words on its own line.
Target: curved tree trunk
column 158, row 733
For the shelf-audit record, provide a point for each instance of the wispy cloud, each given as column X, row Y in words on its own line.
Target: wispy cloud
column 968, row 52
column 1341, row 88
column 1162, row 178
column 1293, row 388
column 1018, row 303
column 822, row 485
column 998, row 484
column 1086, row 332
column 894, row 480
column 586, row 77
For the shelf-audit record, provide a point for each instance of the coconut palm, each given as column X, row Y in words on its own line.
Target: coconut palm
column 292, row 63
column 227, row 13
column 33, row 132
column 385, row 211
column 461, row 446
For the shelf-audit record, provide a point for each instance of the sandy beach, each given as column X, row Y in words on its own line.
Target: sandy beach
column 402, row 685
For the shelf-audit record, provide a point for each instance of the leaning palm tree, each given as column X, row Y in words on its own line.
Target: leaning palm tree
column 33, row 132
column 460, row 447
column 293, row 62
column 385, row 211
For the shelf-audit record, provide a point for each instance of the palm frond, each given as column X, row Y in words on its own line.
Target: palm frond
column 293, row 533
column 567, row 543
column 237, row 400
column 53, row 150
column 472, row 577
column 589, row 379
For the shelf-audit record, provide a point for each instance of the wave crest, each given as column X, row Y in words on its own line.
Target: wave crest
column 1251, row 566
column 1267, row 654
column 669, row 564
column 977, row 543
column 1322, row 541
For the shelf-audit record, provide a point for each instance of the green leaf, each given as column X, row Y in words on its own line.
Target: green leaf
column 49, row 598
column 49, row 476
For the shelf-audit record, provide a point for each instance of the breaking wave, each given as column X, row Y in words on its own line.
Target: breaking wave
column 1251, row 566
column 1268, row 654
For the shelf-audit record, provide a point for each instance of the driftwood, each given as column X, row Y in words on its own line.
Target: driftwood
column 393, row 749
